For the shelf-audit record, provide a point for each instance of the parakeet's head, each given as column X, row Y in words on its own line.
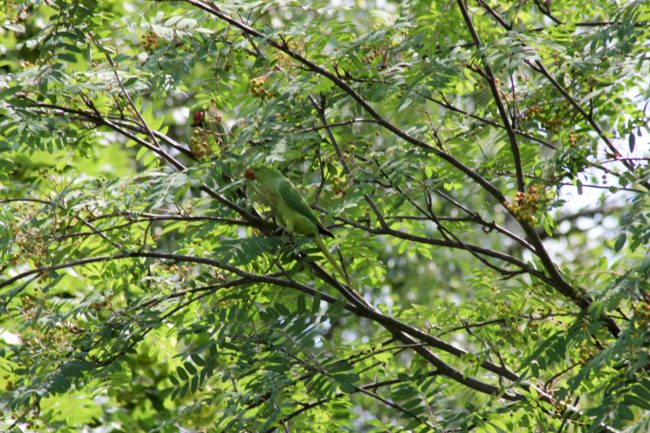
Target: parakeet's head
column 261, row 174
column 197, row 118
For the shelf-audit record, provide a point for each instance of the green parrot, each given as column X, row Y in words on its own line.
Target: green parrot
column 291, row 209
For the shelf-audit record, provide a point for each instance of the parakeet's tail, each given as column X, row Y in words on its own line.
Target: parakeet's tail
column 331, row 259
column 323, row 231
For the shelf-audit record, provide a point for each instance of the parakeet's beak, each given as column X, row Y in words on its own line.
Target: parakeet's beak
column 250, row 174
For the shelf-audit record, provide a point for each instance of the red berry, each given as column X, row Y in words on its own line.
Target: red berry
column 198, row 118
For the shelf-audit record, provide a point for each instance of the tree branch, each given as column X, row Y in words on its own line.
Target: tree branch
column 491, row 79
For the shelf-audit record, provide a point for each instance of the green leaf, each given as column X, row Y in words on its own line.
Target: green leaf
column 182, row 373
column 75, row 368
column 189, row 367
column 620, row 242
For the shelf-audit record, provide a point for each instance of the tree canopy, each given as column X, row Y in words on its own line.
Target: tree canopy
column 482, row 164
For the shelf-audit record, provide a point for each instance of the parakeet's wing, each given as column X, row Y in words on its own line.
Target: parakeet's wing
column 296, row 202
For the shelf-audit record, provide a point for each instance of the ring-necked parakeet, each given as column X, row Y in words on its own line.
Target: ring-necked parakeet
column 291, row 209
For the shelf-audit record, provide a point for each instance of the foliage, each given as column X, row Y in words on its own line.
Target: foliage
column 451, row 146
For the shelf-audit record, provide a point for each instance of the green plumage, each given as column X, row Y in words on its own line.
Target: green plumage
column 291, row 209
column 287, row 204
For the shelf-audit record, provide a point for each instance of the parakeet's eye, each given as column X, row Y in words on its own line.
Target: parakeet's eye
column 250, row 174
column 198, row 118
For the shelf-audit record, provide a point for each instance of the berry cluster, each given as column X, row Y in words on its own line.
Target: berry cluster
column 150, row 42
column 527, row 204
column 257, row 87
